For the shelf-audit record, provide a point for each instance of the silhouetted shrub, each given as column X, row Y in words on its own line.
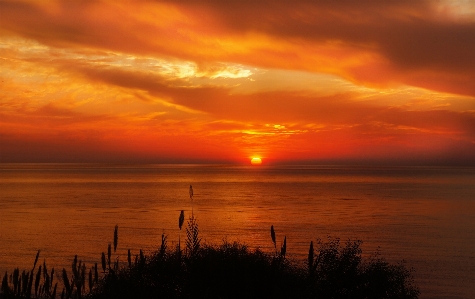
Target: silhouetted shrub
column 234, row 271
column 340, row 272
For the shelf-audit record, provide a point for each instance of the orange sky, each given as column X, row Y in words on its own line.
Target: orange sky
column 190, row 81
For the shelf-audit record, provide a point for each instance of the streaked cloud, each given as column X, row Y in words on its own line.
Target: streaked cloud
column 305, row 80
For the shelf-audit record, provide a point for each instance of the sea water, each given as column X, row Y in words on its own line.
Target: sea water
column 424, row 216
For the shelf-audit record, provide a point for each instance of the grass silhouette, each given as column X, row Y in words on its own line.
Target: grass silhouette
column 230, row 270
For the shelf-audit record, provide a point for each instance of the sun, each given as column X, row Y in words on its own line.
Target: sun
column 256, row 161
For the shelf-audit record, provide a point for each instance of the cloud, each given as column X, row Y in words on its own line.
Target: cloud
column 316, row 79
column 280, row 106
column 275, row 106
column 369, row 42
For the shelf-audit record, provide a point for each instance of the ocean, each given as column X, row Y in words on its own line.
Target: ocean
column 424, row 216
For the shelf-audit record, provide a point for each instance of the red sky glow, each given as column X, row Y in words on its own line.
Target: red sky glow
column 224, row 81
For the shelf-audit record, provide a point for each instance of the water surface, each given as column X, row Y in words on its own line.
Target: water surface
column 423, row 215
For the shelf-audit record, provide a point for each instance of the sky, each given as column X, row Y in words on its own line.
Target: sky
column 209, row 81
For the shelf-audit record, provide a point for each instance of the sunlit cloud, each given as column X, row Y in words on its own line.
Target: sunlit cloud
column 305, row 80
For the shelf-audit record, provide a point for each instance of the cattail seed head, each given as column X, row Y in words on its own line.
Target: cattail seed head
column 272, row 235
column 116, row 237
column 181, row 219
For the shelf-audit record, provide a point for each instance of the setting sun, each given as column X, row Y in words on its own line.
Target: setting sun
column 189, row 72
column 256, row 161
column 266, row 116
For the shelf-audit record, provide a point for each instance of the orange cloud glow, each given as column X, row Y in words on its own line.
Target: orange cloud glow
column 218, row 81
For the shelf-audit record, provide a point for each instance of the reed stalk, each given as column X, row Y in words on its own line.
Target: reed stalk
column 193, row 240
column 163, row 246
column 30, row 285
column 83, row 278
column 45, row 270
column 24, row 281
column 283, row 249
column 36, row 259
column 66, row 284
column 181, row 219
column 47, row 284
column 74, row 266
column 52, row 275
column 103, row 260
column 19, row 288
column 53, row 295
column 116, row 237
column 109, row 254
column 5, row 287
column 129, row 258
column 142, row 257
column 272, row 235
column 91, row 282
column 310, row 259
column 37, row 281
column 16, row 281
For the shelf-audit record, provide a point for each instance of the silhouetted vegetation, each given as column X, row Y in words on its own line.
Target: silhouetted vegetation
column 230, row 270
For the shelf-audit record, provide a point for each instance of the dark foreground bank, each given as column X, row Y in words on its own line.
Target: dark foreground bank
column 230, row 270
